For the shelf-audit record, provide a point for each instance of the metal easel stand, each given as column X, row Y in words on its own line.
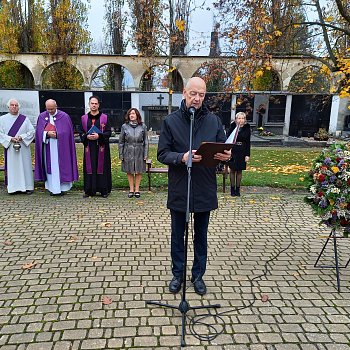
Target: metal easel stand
column 334, row 237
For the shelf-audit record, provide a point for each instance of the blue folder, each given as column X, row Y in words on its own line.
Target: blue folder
column 94, row 129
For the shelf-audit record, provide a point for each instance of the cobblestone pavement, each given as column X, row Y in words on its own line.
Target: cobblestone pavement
column 95, row 262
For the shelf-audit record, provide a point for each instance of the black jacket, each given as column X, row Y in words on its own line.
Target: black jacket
column 173, row 143
column 243, row 136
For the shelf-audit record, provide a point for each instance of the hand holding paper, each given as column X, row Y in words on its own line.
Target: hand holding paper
column 195, row 157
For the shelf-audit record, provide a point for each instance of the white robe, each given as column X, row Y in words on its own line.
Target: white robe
column 19, row 163
column 53, row 182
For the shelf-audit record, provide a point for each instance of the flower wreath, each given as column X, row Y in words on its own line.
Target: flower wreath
column 330, row 187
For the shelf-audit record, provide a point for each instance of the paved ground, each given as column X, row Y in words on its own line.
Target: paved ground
column 88, row 252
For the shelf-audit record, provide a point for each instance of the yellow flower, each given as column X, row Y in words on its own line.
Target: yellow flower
column 335, row 169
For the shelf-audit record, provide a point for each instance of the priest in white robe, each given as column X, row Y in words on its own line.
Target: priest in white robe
column 16, row 135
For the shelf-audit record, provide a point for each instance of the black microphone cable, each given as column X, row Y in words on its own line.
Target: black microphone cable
column 216, row 329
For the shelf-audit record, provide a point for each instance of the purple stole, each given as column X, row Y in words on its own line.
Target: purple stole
column 101, row 148
column 13, row 132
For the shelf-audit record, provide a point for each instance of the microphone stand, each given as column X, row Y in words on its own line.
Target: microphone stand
column 184, row 305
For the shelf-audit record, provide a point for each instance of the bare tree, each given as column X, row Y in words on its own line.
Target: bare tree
column 115, row 40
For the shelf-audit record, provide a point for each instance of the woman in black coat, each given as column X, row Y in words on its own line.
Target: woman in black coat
column 239, row 135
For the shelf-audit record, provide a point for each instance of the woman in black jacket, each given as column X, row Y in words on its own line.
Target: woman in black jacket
column 239, row 133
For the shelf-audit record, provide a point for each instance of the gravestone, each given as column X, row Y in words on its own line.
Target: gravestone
column 308, row 114
column 71, row 102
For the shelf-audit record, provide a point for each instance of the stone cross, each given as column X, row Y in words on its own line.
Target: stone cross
column 160, row 98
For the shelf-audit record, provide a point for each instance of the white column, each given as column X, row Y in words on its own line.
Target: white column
column 233, row 106
column 87, row 95
column 287, row 115
column 333, row 120
column 135, row 103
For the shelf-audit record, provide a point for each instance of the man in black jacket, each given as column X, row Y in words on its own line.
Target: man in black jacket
column 173, row 149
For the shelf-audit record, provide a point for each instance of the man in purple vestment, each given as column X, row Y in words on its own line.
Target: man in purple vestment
column 55, row 154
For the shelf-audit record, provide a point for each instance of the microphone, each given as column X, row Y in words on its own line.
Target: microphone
column 192, row 110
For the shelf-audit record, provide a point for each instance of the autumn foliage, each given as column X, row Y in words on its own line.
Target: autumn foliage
column 257, row 31
column 57, row 27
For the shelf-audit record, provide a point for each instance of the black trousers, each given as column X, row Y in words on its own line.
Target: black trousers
column 178, row 224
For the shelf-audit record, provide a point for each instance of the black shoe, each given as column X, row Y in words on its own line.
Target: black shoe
column 175, row 284
column 238, row 193
column 57, row 194
column 131, row 194
column 137, row 194
column 233, row 191
column 29, row 192
column 199, row 286
column 105, row 195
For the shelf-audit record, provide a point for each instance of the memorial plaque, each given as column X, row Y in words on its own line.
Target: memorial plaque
column 71, row 102
column 277, row 108
column 156, row 118
column 309, row 113
column 220, row 104
column 245, row 103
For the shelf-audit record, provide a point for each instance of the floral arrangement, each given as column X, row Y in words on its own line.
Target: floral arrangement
column 263, row 132
column 330, row 187
column 321, row 135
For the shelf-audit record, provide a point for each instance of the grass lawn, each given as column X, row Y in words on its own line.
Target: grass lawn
column 275, row 167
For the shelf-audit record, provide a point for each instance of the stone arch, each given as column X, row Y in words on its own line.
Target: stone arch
column 15, row 75
column 155, row 78
column 100, row 78
column 215, row 75
column 62, row 75
column 267, row 80
column 309, row 79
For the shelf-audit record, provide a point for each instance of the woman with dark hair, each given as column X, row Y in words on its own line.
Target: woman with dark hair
column 133, row 150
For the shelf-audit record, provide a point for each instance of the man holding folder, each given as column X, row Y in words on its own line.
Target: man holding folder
column 173, row 149
column 55, row 155
column 95, row 131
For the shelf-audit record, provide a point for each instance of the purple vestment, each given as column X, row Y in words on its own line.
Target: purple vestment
column 67, row 158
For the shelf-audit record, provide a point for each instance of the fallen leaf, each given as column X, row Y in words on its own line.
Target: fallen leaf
column 264, row 298
column 106, row 224
column 8, row 243
column 275, row 198
column 106, row 300
column 29, row 265
column 252, row 202
column 95, row 257
column 72, row 239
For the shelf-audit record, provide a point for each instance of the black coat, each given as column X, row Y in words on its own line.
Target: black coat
column 242, row 147
column 173, row 143
column 97, row 182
